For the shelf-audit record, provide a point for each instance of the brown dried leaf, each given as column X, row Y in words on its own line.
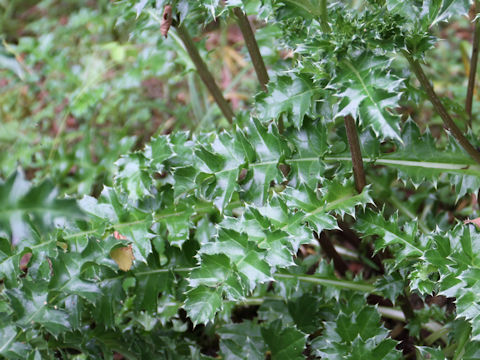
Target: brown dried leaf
column 123, row 256
column 119, row 236
column 25, row 260
column 166, row 20
column 473, row 221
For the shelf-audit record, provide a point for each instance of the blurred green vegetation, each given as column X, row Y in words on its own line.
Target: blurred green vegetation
column 83, row 82
column 79, row 86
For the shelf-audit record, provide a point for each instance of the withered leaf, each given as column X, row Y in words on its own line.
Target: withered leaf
column 123, row 256
column 473, row 221
column 166, row 20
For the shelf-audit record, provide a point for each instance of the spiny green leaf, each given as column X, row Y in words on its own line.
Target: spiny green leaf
column 311, row 6
column 243, row 340
column 389, row 233
column 430, row 353
column 150, row 282
column 9, row 262
column 291, row 95
column 305, row 312
column 430, row 12
column 247, row 258
column 369, row 92
column 356, row 334
column 444, row 10
column 310, row 143
column 133, row 176
column 454, row 259
column 26, row 208
column 202, row 304
column 216, row 271
column 31, row 308
column 284, row 342
column 270, row 148
column 68, row 271
column 131, row 224
column 10, row 348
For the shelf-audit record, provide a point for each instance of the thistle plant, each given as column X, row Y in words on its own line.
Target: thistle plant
column 325, row 221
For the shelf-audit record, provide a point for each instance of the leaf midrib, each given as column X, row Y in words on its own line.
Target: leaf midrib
column 446, row 166
column 357, row 74
column 266, row 163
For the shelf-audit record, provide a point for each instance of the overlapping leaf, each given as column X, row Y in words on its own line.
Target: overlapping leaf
column 449, row 262
column 428, row 13
column 367, row 90
column 291, row 95
column 132, row 224
column 284, row 342
column 356, row 334
column 450, row 267
column 248, row 172
column 390, row 234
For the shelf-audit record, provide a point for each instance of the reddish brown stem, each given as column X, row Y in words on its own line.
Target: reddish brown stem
column 350, row 236
column 356, row 153
column 252, row 47
column 205, row 74
column 406, row 307
column 438, row 106
column 329, row 249
column 473, row 67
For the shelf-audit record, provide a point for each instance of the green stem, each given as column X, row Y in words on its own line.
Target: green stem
column 437, row 104
column 473, row 66
column 198, row 111
column 464, row 169
column 259, row 300
column 398, row 315
column 346, row 252
column 317, row 280
column 356, row 153
column 204, row 73
column 324, row 16
column 252, row 47
column 434, row 336
column 337, row 283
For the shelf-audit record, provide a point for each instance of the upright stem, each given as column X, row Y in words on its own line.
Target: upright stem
column 357, row 161
column 437, row 104
column 473, row 66
column 252, row 47
column 406, row 307
column 324, row 16
column 350, row 236
column 332, row 253
column 204, row 73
